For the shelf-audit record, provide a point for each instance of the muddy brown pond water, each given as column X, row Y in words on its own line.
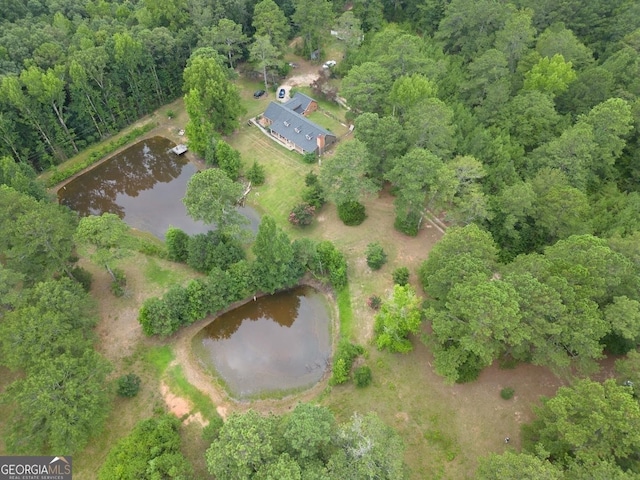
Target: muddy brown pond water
column 277, row 343
column 144, row 186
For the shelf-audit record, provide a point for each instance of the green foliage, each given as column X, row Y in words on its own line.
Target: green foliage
column 587, row 423
column 212, row 101
column 66, row 386
column 302, row 214
column 83, row 277
column 177, row 242
column 399, row 316
column 228, row 159
column 550, row 75
column 212, row 431
column 128, row 385
column 362, row 376
column 118, row 283
column 346, row 353
column 409, row 223
column 400, row 276
column 513, row 466
column 330, row 264
column 151, row 450
column 507, row 393
column 310, row 158
column 314, row 193
column 60, row 174
column 307, row 443
column 206, row 251
column 275, row 266
column 211, row 196
column 351, row 213
column 256, row 174
column 376, row 256
column 374, row 302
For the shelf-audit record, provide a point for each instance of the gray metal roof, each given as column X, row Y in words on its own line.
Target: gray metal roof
column 294, row 127
column 299, row 103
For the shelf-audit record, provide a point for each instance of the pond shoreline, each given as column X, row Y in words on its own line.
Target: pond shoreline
column 208, row 384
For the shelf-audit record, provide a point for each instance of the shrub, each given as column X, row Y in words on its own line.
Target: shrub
column 212, row 249
column 507, row 393
column 302, row 214
column 177, row 242
column 351, row 213
column 346, row 353
column 256, row 174
column 330, row 262
column 311, row 179
column 119, row 282
column 376, row 257
column 362, row 376
column 83, row 277
column 408, row 223
column 128, row 385
column 170, row 114
column 374, row 302
column 314, row 195
column 310, row 158
column 401, row 276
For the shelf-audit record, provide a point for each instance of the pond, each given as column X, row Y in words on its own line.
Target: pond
column 277, row 343
column 144, row 185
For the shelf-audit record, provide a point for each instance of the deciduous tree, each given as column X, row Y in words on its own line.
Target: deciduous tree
column 211, row 197
column 399, row 316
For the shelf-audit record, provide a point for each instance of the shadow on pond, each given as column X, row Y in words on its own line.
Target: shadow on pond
column 277, row 342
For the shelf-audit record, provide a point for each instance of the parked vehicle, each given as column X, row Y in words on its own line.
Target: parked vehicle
column 281, row 93
column 329, row 64
column 258, row 93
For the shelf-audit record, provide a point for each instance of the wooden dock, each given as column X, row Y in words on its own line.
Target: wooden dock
column 179, row 149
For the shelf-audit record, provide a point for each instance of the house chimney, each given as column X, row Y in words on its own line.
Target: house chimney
column 320, row 142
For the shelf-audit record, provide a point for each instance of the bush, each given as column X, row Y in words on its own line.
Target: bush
column 376, row 257
column 302, row 214
column 408, row 223
column 330, row 262
column 362, row 376
column 83, row 277
column 212, row 249
column 346, row 353
column 351, row 213
column 170, row 114
column 310, row 158
column 507, row 393
column 314, row 195
column 256, row 174
column 177, row 242
column 374, row 302
column 128, row 385
column 401, row 276
column 119, row 282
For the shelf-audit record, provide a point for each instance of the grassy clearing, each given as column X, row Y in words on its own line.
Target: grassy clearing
column 346, row 313
column 154, row 273
column 331, row 107
column 158, row 358
column 328, row 122
column 285, row 172
column 179, row 384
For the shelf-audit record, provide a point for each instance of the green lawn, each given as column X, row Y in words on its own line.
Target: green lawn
column 331, row 124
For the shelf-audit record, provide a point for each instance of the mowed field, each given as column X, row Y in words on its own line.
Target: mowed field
column 446, row 428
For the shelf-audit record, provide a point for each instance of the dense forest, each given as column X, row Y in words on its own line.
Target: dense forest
column 516, row 123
